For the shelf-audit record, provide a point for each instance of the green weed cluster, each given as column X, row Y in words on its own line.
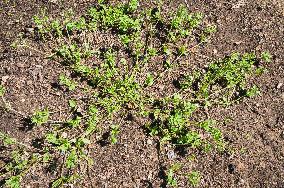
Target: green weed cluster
column 194, row 177
column 118, row 85
column 172, row 120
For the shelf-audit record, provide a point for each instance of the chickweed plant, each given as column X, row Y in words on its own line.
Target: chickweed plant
column 224, row 81
column 63, row 80
column 40, row 117
column 113, row 134
column 171, row 180
column 119, row 79
column 194, row 178
column 173, row 173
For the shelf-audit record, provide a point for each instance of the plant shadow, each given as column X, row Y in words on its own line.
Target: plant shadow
column 27, row 125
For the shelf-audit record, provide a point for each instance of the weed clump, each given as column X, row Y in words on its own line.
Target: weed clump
column 116, row 81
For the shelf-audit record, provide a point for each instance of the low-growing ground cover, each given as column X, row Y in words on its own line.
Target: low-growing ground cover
column 130, row 95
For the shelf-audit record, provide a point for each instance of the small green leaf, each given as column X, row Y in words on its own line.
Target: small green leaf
column 82, row 141
column 57, row 183
column 40, row 117
column 194, row 178
column 72, row 103
column 52, row 138
column 170, row 174
column 63, row 80
column 132, row 5
column 149, row 80
column 9, row 141
column 266, row 56
column 13, row 182
column 254, row 91
column 182, row 50
column 210, row 29
column 65, row 145
column 170, row 179
column 175, row 167
column 6, row 139
column 46, row 157
column 2, row 90
column 260, row 70
column 113, row 133
column 75, row 122
column 166, row 50
column 71, row 159
column 152, row 51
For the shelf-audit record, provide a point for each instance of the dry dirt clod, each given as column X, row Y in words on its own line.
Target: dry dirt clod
column 282, row 96
column 5, row 78
column 239, row 4
column 241, row 166
column 21, row 65
column 2, row 164
column 150, row 142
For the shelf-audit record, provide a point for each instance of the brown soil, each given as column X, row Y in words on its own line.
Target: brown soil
column 255, row 129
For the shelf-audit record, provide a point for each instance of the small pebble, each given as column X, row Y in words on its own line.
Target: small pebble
column 21, row 65
column 171, row 154
column 39, row 66
column 242, row 181
column 280, row 84
column 29, row 82
column 5, row 78
column 161, row 87
column 64, row 135
column 30, row 30
column 149, row 142
column 237, row 42
column 53, row 1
